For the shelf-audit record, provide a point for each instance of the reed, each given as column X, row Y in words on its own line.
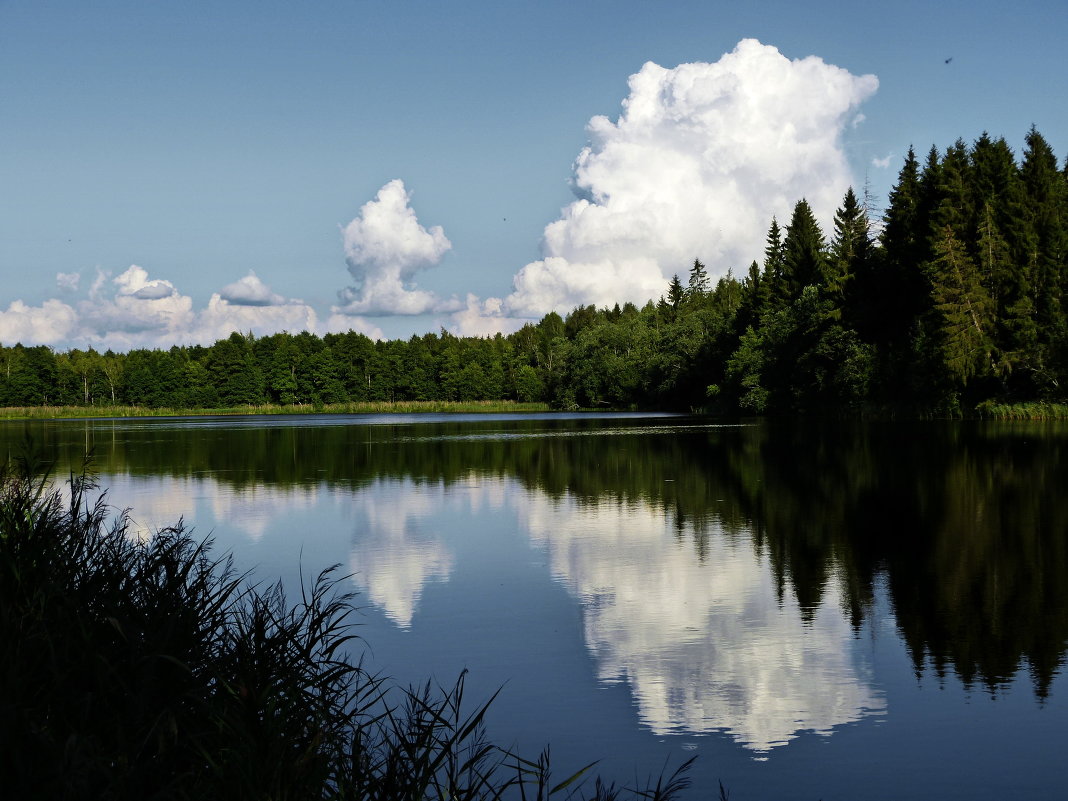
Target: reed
column 1033, row 410
column 368, row 407
column 151, row 669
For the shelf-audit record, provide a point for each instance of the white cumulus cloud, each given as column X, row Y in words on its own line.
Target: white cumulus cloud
column 47, row 324
column 250, row 291
column 483, row 318
column 700, row 159
column 385, row 246
column 143, row 311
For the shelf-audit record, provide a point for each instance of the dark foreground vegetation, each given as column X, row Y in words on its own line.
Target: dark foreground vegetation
column 956, row 296
column 149, row 670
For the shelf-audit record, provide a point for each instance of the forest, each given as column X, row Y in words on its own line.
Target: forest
column 952, row 297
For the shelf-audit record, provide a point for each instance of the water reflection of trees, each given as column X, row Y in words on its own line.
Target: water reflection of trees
column 967, row 522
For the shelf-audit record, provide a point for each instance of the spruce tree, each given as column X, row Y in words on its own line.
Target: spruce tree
column 900, row 221
column 698, row 283
column 901, row 284
column 803, row 258
column 1046, row 200
column 1015, row 333
column 954, row 206
column 964, row 309
column 773, row 290
column 675, row 293
column 749, row 309
column 850, row 250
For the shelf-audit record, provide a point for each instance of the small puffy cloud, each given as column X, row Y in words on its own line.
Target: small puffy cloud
column 51, row 322
column 136, row 283
column 701, row 157
column 385, row 246
column 883, row 163
column 68, row 282
column 250, row 291
column 155, row 291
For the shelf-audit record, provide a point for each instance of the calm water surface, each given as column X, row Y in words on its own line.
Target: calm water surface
column 869, row 611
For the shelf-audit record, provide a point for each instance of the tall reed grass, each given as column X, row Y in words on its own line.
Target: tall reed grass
column 1035, row 410
column 152, row 670
column 369, row 407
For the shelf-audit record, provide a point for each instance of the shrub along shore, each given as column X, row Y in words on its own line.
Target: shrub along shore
column 148, row 669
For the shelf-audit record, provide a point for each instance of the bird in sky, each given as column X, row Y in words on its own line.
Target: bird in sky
column 949, row 59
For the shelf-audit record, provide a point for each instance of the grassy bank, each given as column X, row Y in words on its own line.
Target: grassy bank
column 149, row 670
column 370, row 407
column 1036, row 410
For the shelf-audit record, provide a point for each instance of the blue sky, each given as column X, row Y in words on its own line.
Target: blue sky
column 321, row 146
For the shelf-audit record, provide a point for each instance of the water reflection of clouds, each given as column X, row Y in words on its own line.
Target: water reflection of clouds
column 249, row 509
column 395, row 553
column 705, row 645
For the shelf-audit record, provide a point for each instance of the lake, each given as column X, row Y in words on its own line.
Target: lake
column 874, row 611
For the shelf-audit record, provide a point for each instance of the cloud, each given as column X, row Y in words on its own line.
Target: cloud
column 142, row 312
column 135, row 310
column 484, row 318
column 701, row 157
column 47, row 324
column 250, row 291
column 68, row 282
column 882, row 163
column 385, row 246
column 341, row 323
column 222, row 316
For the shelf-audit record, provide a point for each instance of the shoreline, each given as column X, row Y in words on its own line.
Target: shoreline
column 271, row 409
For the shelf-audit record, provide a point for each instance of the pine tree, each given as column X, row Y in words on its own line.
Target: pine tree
column 675, row 293
column 803, row 252
column 698, row 284
column 752, row 291
column 900, row 221
column 1046, row 202
column 850, row 250
column 773, row 288
column 954, row 207
column 900, row 283
column 964, row 309
column 1015, row 333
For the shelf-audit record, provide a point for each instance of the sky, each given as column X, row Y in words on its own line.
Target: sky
column 170, row 172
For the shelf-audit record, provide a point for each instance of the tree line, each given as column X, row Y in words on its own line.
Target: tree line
column 953, row 296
